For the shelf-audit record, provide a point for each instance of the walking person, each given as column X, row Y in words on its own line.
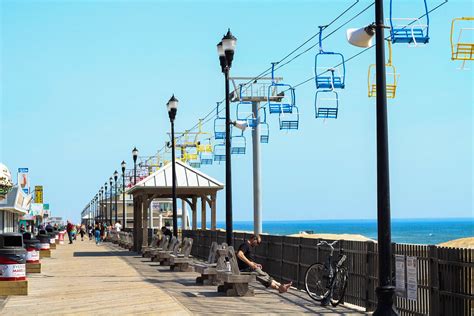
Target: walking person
column 69, row 228
column 90, row 231
column 97, row 233
column 102, row 232
column 82, row 231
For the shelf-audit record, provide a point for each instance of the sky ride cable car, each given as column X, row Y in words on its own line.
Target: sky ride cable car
column 326, row 102
column 238, row 143
column 219, row 152
column 289, row 121
column 202, row 146
column 462, row 46
column 219, row 124
column 206, row 157
column 284, row 104
column 264, row 128
column 391, row 77
column 409, row 30
column 335, row 80
column 244, row 110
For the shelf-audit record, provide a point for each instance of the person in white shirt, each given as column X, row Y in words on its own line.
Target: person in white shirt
column 118, row 226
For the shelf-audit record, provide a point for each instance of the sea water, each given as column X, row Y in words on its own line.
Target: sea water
column 410, row 231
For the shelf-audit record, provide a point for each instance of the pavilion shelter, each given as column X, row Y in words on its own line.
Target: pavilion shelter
column 191, row 185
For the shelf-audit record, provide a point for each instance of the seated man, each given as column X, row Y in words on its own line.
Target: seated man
column 246, row 264
column 166, row 232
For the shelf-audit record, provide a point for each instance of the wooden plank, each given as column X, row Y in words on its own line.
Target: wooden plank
column 8, row 288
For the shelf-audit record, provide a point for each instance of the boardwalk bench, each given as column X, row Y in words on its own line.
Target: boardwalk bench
column 182, row 261
column 208, row 269
column 155, row 243
column 235, row 283
column 162, row 256
column 163, row 245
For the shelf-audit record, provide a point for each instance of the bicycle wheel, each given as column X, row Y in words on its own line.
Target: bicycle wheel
column 339, row 287
column 316, row 281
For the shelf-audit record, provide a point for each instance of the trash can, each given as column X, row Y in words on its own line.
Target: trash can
column 61, row 237
column 44, row 240
column 56, row 235
column 12, row 257
column 32, row 246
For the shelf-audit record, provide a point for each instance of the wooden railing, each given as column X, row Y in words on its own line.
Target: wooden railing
column 445, row 276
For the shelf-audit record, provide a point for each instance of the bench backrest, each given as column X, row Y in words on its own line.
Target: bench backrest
column 212, row 253
column 172, row 243
column 187, row 246
column 154, row 241
column 233, row 260
column 175, row 248
column 164, row 242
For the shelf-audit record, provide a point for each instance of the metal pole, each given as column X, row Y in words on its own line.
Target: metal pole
column 116, row 216
column 228, row 169
column 385, row 290
column 111, row 202
column 257, row 196
column 124, row 224
column 173, row 170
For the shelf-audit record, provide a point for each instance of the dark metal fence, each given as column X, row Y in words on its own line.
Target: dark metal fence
column 445, row 276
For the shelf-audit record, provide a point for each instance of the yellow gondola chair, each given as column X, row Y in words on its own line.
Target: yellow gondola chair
column 391, row 77
column 462, row 48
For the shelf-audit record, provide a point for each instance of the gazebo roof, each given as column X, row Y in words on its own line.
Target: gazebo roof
column 189, row 182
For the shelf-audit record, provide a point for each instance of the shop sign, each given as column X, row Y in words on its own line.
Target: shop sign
column 23, row 180
column 38, row 194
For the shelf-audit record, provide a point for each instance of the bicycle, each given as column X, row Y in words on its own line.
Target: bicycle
column 327, row 282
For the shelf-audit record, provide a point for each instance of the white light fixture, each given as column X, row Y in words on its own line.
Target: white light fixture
column 361, row 37
column 242, row 125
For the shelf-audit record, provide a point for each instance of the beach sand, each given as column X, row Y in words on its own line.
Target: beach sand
column 459, row 243
column 334, row 237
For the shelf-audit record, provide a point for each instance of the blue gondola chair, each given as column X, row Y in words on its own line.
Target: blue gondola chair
column 219, row 125
column 219, row 152
column 338, row 67
column 238, row 144
column 409, row 30
column 326, row 104
column 285, row 105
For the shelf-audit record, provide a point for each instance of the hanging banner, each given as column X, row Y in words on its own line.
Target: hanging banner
column 36, row 209
column 412, row 281
column 23, row 180
column 400, row 284
column 38, row 194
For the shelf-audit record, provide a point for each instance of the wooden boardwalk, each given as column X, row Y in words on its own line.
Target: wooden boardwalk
column 84, row 278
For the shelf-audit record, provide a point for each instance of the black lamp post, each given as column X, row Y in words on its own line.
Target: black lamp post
column 105, row 199
column 226, row 49
column 172, row 107
column 96, row 208
column 101, row 202
column 362, row 38
column 111, row 210
column 124, row 223
column 135, row 156
column 116, row 191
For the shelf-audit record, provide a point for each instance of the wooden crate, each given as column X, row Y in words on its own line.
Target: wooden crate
column 45, row 253
column 8, row 288
column 33, row 267
column 52, row 246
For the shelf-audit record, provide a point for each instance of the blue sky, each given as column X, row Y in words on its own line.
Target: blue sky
column 83, row 82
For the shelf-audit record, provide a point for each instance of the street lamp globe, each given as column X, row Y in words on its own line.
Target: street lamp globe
column 172, row 106
column 110, row 181
column 135, row 153
column 229, row 42
column 115, row 175
column 123, row 164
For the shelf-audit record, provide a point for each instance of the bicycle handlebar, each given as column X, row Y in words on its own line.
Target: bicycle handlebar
column 328, row 244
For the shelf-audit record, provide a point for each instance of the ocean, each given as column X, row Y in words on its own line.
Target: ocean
column 410, row 231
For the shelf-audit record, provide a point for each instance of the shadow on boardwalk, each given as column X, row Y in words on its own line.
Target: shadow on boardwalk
column 204, row 300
